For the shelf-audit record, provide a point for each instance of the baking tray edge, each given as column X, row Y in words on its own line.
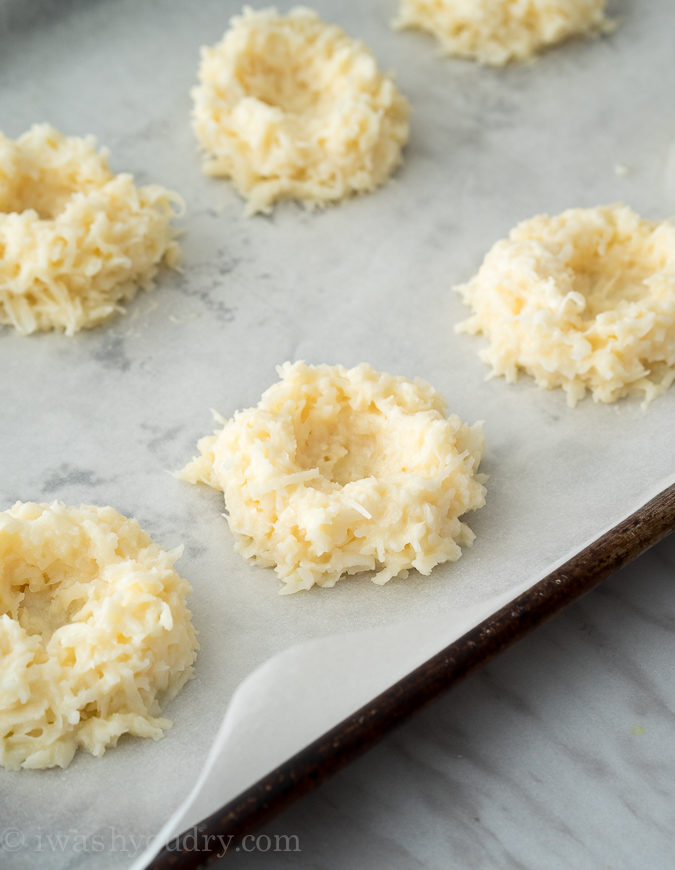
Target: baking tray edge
column 343, row 743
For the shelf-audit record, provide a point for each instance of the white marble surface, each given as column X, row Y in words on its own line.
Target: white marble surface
column 557, row 755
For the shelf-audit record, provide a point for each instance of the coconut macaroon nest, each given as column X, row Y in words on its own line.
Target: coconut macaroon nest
column 94, row 632
column 496, row 32
column 583, row 301
column 338, row 471
column 75, row 240
column 292, row 107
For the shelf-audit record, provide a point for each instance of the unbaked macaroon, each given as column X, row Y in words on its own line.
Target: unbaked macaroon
column 338, row 471
column 76, row 241
column 584, row 300
column 95, row 632
column 496, row 32
column 289, row 106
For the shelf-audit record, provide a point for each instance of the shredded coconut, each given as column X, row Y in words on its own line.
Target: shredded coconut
column 75, row 240
column 338, row 471
column 496, row 32
column 94, row 632
column 292, row 107
column 582, row 301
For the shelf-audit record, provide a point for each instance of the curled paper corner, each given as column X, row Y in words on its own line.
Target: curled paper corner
column 291, row 700
column 300, row 693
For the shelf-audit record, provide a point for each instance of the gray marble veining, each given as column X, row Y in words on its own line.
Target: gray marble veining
column 559, row 755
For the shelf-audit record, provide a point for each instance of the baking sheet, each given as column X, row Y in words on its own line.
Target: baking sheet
column 103, row 417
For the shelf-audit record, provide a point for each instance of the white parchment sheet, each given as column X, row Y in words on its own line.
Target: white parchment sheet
column 103, row 417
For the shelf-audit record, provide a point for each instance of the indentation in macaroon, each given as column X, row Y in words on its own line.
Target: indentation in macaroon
column 95, row 633
column 288, row 106
column 76, row 240
column 584, row 300
column 338, row 471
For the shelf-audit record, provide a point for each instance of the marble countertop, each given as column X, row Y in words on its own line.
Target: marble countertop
column 559, row 754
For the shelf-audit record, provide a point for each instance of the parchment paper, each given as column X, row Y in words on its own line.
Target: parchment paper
column 103, row 417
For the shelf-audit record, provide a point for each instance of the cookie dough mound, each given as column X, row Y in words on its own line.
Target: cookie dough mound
column 94, row 632
column 75, row 240
column 338, row 471
column 291, row 107
column 582, row 301
column 496, row 32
